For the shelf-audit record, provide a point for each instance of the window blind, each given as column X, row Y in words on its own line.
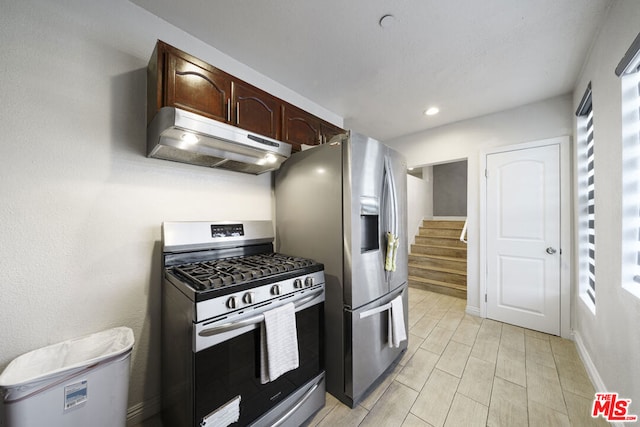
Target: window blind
column 585, row 110
column 630, row 64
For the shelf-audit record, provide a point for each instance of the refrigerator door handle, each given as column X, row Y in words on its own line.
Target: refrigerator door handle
column 392, row 234
column 391, row 185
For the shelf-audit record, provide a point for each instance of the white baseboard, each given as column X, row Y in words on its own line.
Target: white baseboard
column 144, row 410
column 592, row 371
column 473, row 311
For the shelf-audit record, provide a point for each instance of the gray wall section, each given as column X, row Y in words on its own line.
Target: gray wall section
column 450, row 189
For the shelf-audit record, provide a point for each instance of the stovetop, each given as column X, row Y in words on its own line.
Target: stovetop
column 206, row 260
column 218, row 277
column 219, row 273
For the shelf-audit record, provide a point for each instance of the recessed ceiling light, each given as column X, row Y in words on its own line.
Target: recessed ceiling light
column 386, row 21
column 431, row 111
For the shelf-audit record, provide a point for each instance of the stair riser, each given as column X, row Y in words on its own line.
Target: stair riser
column 439, row 232
column 430, row 250
column 439, row 289
column 440, row 263
column 439, row 241
column 441, row 276
column 443, row 224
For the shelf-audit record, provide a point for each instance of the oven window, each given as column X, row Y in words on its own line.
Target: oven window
column 232, row 368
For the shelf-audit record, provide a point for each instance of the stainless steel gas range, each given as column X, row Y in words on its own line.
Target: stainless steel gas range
column 220, row 281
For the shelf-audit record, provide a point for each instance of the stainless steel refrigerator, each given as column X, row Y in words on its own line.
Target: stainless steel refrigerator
column 336, row 203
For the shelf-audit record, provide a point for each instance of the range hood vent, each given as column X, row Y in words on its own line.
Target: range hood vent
column 181, row 136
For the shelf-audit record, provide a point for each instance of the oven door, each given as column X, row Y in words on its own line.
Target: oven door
column 231, row 368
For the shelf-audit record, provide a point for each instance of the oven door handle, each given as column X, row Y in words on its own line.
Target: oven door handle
column 226, row 327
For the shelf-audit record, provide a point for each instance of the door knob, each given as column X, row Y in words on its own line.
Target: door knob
column 551, row 250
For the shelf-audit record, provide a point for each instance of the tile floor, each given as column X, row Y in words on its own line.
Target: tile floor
column 461, row 370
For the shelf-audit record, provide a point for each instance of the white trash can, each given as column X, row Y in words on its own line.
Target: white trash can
column 77, row 383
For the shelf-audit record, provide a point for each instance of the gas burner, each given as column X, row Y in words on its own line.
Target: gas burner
column 224, row 272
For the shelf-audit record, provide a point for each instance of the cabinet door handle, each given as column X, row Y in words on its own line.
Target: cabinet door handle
column 238, row 112
column 229, row 110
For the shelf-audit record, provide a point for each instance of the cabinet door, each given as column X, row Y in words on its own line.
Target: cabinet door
column 256, row 110
column 300, row 127
column 328, row 131
column 194, row 88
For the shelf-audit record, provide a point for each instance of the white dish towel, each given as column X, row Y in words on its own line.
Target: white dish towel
column 397, row 331
column 279, row 343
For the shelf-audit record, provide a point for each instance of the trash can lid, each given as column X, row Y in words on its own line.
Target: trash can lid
column 67, row 355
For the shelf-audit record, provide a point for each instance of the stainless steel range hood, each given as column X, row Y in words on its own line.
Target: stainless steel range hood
column 182, row 136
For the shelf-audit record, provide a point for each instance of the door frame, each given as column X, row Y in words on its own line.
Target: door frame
column 564, row 143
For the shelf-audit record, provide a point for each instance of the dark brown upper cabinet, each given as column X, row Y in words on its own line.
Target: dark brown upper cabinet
column 255, row 110
column 328, row 131
column 177, row 79
column 300, row 127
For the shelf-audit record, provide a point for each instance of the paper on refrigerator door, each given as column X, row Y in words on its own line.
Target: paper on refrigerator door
column 224, row 416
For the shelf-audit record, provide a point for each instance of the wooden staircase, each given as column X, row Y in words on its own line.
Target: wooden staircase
column 438, row 259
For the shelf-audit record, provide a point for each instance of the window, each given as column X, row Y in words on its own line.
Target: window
column 629, row 72
column 587, row 221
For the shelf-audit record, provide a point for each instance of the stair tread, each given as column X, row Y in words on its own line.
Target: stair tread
column 439, row 241
column 443, row 224
column 440, row 246
column 438, row 283
column 456, row 293
column 440, row 269
column 422, row 227
column 440, row 237
column 440, row 257
column 428, row 258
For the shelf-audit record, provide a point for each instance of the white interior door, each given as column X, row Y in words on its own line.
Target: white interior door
column 523, row 237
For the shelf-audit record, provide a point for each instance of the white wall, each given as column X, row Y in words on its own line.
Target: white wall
column 419, row 201
column 467, row 139
column 80, row 204
column 610, row 339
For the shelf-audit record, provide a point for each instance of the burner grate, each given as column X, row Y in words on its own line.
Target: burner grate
column 233, row 271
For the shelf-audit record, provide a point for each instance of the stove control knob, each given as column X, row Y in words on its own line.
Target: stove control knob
column 248, row 298
column 308, row 281
column 232, row 302
column 276, row 290
column 297, row 284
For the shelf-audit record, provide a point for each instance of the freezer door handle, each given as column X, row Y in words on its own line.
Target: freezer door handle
column 377, row 310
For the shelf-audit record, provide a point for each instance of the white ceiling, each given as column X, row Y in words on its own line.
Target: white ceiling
column 468, row 57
